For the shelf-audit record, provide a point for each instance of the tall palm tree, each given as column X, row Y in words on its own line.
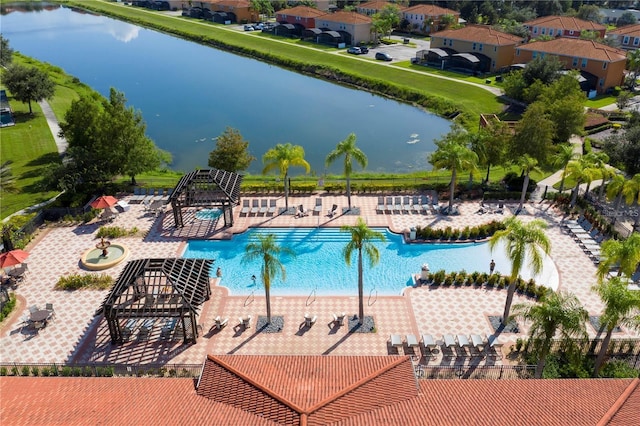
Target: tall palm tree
column 351, row 152
column 361, row 240
column 621, row 307
column 562, row 158
column 453, row 154
column 528, row 164
column 631, row 193
column 598, row 162
column 265, row 248
column 521, row 240
column 580, row 170
column 280, row 158
column 557, row 311
column 633, row 58
column 614, row 189
column 625, row 254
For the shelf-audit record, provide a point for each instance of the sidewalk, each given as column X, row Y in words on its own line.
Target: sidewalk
column 54, row 126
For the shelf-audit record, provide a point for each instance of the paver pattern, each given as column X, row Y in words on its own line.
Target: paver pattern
column 77, row 334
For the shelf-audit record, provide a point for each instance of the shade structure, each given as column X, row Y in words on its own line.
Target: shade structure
column 12, row 258
column 104, row 202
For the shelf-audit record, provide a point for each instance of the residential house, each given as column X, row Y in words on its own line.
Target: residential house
column 237, row 10
column 562, row 26
column 611, row 15
column 427, row 18
column 316, row 390
column 354, row 27
column 324, row 5
column 372, row 7
column 602, row 65
column 628, row 37
column 299, row 15
column 482, row 47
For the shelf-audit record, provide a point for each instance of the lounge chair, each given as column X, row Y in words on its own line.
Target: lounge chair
column 415, row 204
column 302, row 212
column 255, row 206
column 339, row 318
column 397, row 205
column 219, row 323
column 332, row 211
column 245, row 207
column 380, row 208
column 429, row 344
column 318, row 208
column 264, row 206
column 245, row 322
column 406, row 205
column 309, row 321
column 396, row 341
column 272, row 207
column 412, row 342
column 167, row 194
column 150, row 195
column 159, row 196
column 389, row 205
column 138, row 195
column 425, row 202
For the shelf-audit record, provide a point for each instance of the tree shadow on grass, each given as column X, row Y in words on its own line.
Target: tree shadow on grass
column 43, row 160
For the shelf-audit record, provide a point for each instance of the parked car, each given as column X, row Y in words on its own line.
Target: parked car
column 258, row 27
column 364, row 49
column 354, row 50
column 248, row 28
column 383, row 56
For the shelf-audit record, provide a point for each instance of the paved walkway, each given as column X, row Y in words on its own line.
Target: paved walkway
column 77, row 334
column 54, row 126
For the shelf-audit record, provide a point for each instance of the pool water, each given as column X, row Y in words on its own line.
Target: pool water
column 319, row 262
column 208, row 214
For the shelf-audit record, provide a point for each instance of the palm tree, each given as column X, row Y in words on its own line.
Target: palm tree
column 625, row 254
column 581, row 171
column 631, row 193
column 7, row 180
column 528, row 164
column 351, row 152
column 361, row 240
column 598, row 163
column 562, row 158
column 633, row 58
column 264, row 248
column 621, row 307
column 281, row 157
column 453, row 154
column 521, row 240
column 614, row 189
column 557, row 311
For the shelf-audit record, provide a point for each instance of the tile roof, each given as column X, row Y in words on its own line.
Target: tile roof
column 430, row 10
column 316, row 390
column 480, row 34
column 577, row 48
column 235, row 3
column 565, row 22
column 353, row 18
column 628, row 30
column 378, row 5
column 302, row 11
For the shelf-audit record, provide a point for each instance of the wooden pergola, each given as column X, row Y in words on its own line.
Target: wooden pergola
column 206, row 188
column 165, row 294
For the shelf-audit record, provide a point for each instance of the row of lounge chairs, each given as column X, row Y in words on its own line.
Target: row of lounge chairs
column 143, row 195
column 474, row 345
column 587, row 236
column 415, row 204
column 259, row 207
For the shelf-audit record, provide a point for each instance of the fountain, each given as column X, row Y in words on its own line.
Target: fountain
column 104, row 256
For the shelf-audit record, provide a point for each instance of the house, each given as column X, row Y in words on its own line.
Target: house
column 628, row 37
column 611, row 15
column 427, row 18
column 354, row 27
column 372, row 7
column 236, row 10
column 299, row 15
column 475, row 48
column 562, row 26
column 316, row 390
column 602, row 65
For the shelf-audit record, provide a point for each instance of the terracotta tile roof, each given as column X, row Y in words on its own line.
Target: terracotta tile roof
column 352, row 18
column 629, row 30
column 577, row 48
column 237, row 4
column 626, row 411
column 378, row 5
column 430, row 10
column 565, row 22
column 302, row 11
column 480, row 34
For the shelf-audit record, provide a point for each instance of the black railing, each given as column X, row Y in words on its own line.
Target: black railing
column 100, row 370
column 475, row 372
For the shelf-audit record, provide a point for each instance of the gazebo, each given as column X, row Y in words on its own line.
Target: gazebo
column 206, row 188
column 149, row 290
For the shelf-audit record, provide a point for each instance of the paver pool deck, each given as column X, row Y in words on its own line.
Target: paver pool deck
column 77, row 335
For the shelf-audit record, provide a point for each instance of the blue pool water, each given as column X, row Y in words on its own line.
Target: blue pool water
column 319, row 262
column 208, row 214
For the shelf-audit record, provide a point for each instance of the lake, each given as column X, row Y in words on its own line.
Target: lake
column 189, row 93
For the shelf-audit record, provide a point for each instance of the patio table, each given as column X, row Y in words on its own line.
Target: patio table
column 39, row 316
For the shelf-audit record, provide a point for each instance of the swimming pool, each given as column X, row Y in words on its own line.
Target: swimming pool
column 319, row 263
column 208, row 214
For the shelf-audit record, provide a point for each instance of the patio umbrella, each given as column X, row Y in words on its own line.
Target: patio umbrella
column 104, row 202
column 12, row 258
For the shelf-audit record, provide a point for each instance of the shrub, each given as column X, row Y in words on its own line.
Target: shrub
column 438, row 277
column 14, row 371
column 84, row 281
column 8, row 307
column 618, row 370
column 448, row 280
column 493, row 280
column 45, row 371
column 115, row 232
column 3, row 371
column 25, row 370
column 35, row 371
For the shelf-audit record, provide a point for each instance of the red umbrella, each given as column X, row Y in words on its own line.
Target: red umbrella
column 104, row 202
column 12, row 258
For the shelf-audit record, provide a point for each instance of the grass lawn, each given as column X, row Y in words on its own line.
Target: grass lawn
column 600, row 101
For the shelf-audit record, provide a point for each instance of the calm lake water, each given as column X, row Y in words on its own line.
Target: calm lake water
column 188, row 94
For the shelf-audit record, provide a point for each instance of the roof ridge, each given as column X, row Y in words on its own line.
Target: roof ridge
column 357, row 384
column 263, row 388
column 619, row 402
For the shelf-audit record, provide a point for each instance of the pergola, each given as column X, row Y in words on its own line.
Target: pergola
column 206, row 188
column 149, row 290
